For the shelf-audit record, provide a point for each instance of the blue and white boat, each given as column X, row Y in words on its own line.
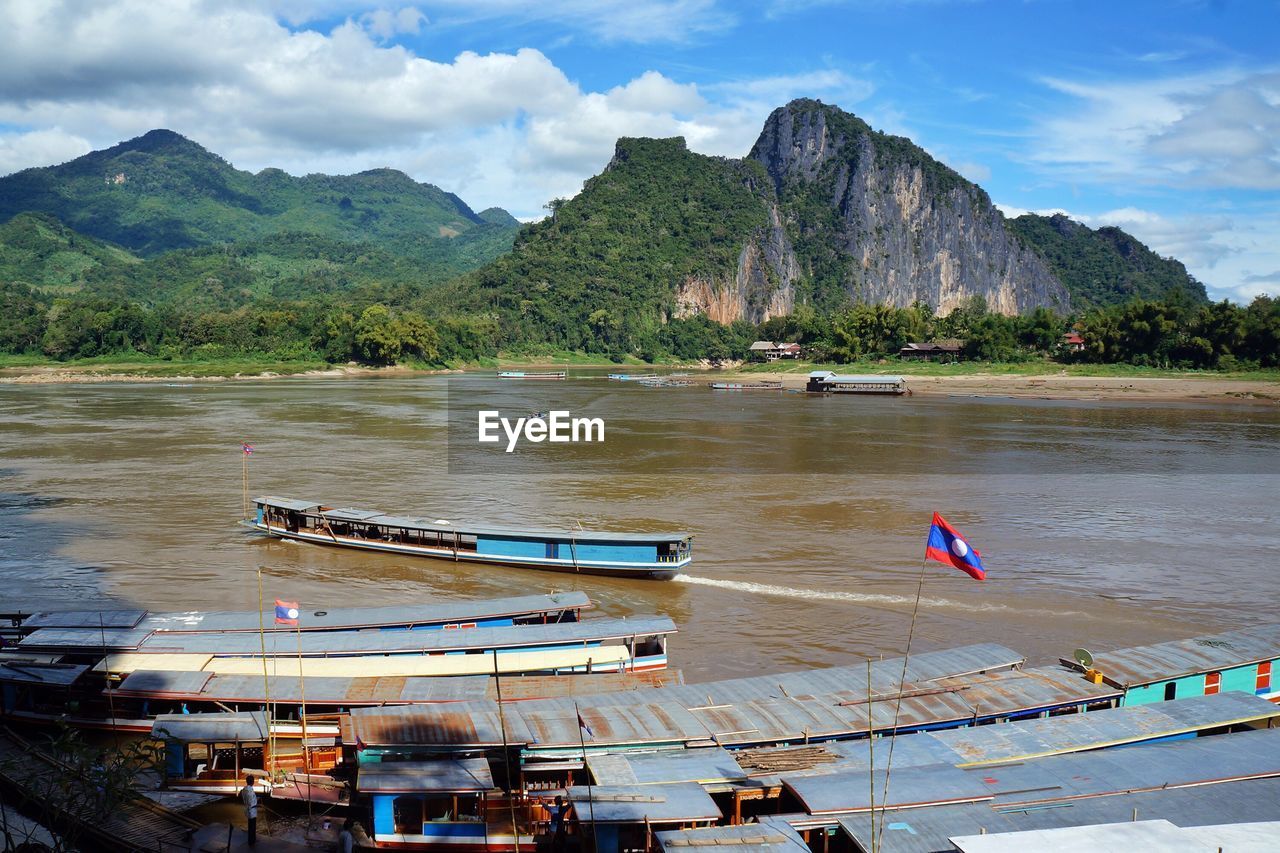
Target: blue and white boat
column 640, row 555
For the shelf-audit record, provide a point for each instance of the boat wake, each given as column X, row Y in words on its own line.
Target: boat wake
column 869, row 598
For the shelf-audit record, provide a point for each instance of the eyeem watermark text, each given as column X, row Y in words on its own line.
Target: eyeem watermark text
column 558, row 427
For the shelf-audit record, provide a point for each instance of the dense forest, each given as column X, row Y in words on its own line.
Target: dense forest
column 360, row 326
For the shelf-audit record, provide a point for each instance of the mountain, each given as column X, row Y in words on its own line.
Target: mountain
column 39, row 251
column 1104, row 266
column 161, row 192
column 656, row 216
column 823, row 211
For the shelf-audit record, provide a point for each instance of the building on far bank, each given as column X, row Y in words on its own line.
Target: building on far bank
column 1072, row 342
column 941, row 351
column 770, row 351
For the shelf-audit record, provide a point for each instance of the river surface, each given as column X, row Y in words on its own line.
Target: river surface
column 1101, row 524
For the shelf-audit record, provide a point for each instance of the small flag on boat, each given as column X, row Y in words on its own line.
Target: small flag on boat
column 582, row 724
column 947, row 545
column 286, row 612
column 247, row 448
column 361, row 746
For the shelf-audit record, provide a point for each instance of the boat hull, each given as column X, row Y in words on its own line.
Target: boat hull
column 664, row 571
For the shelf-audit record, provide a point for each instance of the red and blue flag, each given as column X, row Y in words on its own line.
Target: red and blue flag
column 948, row 545
column 286, row 612
column 247, row 448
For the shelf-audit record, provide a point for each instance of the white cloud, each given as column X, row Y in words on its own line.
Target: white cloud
column 1218, row 129
column 508, row 129
column 386, row 24
column 39, row 148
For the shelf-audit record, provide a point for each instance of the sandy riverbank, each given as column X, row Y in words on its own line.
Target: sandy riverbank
column 1054, row 386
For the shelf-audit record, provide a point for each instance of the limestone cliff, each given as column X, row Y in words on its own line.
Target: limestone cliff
column 876, row 219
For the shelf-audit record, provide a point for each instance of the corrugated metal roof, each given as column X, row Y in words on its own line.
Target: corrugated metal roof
column 1022, row 740
column 744, row 838
column 163, row 683
column 84, row 619
column 346, row 692
column 340, row 618
column 685, row 801
column 927, row 830
column 816, row 704
column 364, row 516
column 908, row 787
column 244, row 726
column 20, row 671
column 705, row 765
column 1139, row 835
column 372, row 641
column 286, row 503
column 864, row 378
column 1255, row 837
column 90, row 639
column 446, row 776
column 1161, row 661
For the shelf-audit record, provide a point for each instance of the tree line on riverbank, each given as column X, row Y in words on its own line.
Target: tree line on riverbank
column 378, row 328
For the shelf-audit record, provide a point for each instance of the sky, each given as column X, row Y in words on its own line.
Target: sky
column 1160, row 117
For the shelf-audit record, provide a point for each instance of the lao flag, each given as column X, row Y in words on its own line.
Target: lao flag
column 286, row 612
column 946, row 545
column 582, row 724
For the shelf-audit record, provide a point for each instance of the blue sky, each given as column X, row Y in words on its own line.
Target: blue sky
column 1162, row 118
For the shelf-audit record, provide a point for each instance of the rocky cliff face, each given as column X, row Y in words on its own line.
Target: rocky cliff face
column 876, row 219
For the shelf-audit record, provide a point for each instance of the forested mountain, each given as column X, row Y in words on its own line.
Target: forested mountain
column 1104, row 266
column 823, row 212
column 161, row 192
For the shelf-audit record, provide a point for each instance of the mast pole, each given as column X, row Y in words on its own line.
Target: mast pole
column 302, row 716
column 266, row 681
column 506, row 753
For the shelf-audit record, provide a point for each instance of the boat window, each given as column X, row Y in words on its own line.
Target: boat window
column 1170, row 691
column 407, row 814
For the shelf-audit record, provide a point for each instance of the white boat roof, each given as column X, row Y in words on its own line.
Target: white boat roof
column 313, row 619
column 365, row 516
column 375, row 641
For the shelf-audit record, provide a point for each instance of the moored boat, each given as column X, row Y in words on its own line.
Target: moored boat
column 746, row 386
column 524, row 374
column 643, row 555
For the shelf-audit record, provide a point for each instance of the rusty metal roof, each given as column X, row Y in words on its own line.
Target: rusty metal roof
column 220, row 727
column 445, row 776
column 673, row 803
column 1161, row 661
column 759, row 710
column 389, row 690
column 19, row 670
column 744, row 838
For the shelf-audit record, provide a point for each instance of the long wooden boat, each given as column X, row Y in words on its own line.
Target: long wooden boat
column 555, row 608
column 524, row 374
column 641, row 555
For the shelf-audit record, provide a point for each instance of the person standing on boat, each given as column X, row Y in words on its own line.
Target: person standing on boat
column 557, row 826
column 249, row 797
column 347, row 838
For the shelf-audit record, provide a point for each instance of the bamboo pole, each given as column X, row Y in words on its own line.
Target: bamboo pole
column 266, row 680
column 871, row 757
column 506, row 753
column 302, row 717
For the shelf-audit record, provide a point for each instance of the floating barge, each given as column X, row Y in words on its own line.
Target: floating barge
column 640, row 555
column 826, row 382
column 524, row 374
column 746, row 386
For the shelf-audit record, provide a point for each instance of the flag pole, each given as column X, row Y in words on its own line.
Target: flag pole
column 506, row 752
column 897, row 708
column 302, row 716
column 871, row 757
column 586, row 772
column 266, row 681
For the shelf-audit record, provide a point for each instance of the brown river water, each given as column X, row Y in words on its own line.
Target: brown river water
column 1101, row 524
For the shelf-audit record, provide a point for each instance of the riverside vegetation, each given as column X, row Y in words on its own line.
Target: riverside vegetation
column 158, row 250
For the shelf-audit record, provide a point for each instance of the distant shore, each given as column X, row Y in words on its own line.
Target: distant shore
column 1063, row 386
column 1022, row 381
